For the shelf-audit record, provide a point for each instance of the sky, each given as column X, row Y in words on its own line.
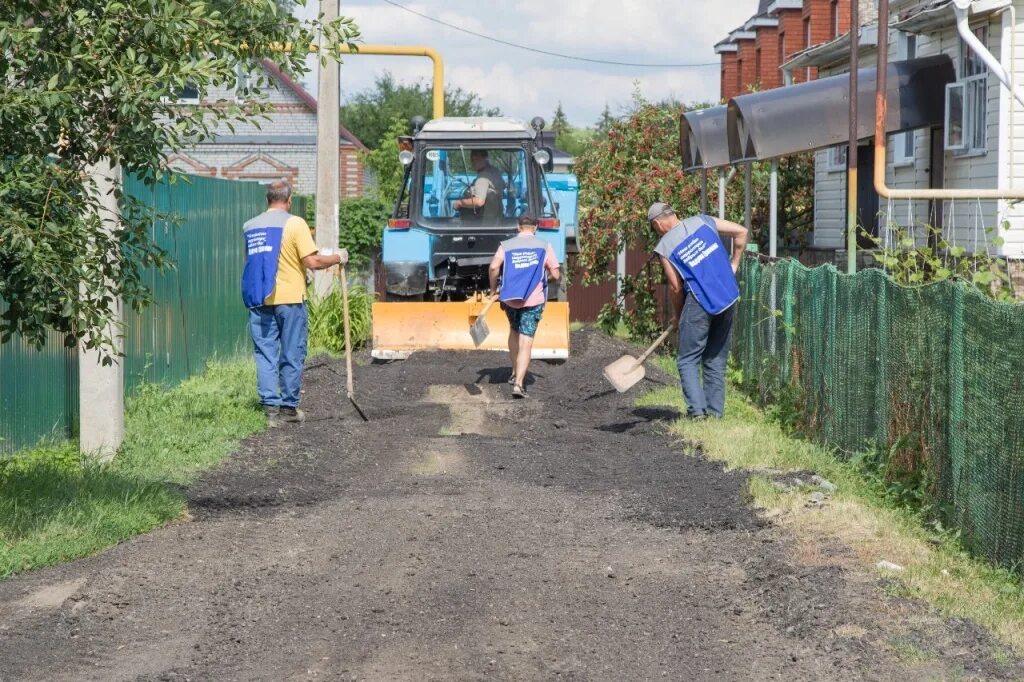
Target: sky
column 526, row 84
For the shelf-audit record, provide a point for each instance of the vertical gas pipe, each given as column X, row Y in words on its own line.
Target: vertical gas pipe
column 880, row 86
column 851, row 153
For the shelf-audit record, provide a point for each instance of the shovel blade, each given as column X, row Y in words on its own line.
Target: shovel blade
column 479, row 331
column 624, row 373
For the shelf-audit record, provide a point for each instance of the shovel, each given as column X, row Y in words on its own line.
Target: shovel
column 348, row 343
column 627, row 371
column 479, row 329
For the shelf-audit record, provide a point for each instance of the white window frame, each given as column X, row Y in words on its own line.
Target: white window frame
column 973, row 89
column 903, row 151
column 950, row 144
column 178, row 99
column 836, row 159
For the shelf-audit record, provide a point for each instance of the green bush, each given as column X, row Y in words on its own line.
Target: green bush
column 326, row 321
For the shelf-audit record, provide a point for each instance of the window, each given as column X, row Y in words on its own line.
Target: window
column 836, row 160
column 834, row 18
column 757, row 65
column 739, row 76
column 188, row 94
column 967, row 101
column 498, row 176
column 903, row 144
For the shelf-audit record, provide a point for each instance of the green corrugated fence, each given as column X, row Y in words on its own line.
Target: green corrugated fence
column 931, row 375
column 38, row 392
column 197, row 312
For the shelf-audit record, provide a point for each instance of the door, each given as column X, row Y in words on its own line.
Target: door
column 867, row 198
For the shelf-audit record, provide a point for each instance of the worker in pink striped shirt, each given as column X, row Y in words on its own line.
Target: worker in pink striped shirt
column 525, row 263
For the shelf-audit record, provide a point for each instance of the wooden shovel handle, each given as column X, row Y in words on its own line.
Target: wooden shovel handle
column 654, row 346
column 487, row 306
column 348, row 334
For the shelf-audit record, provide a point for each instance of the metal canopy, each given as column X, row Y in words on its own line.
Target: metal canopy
column 814, row 115
column 703, row 140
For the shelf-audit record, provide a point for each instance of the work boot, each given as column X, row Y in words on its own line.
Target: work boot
column 272, row 414
column 292, row 415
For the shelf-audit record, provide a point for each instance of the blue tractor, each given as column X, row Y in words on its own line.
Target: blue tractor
column 444, row 231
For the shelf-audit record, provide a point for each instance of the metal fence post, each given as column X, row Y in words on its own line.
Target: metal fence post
column 881, row 357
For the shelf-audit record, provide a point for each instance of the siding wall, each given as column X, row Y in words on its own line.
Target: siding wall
column 1012, row 163
column 962, row 221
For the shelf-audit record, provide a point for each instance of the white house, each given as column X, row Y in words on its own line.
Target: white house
column 282, row 147
column 980, row 144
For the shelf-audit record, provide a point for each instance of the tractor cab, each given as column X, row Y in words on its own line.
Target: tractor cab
column 467, row 180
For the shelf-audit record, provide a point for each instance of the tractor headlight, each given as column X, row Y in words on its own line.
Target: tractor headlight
column 542, row 156
column 405, row 157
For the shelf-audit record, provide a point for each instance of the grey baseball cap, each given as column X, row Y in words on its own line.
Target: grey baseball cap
column 657, row 209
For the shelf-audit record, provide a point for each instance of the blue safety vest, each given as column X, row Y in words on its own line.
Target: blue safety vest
column 524, row 267
column 263, row 236
column 701, row 261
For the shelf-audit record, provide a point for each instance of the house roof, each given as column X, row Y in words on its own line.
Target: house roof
column 308, row 99
column 775, row 6
column 938, row 14
column 834, row 51
column 560, row 157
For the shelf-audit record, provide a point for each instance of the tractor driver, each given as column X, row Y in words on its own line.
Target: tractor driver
column 485, row 195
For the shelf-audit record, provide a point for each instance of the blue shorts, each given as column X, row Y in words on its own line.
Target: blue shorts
column 524, row 320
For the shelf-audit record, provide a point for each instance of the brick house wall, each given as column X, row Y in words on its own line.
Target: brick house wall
column 282, row 146
column 746, row 65
column 729, row 68
column 767, row 46
column 791, row 38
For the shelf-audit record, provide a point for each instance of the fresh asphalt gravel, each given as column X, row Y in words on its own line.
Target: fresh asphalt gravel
column 461, row 535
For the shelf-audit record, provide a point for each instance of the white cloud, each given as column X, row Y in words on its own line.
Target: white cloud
column 524, row 83
column 667, row 32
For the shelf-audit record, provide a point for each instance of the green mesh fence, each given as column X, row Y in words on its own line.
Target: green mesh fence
column 930, row 375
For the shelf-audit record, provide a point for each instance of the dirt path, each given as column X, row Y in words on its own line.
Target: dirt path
column 461, row 536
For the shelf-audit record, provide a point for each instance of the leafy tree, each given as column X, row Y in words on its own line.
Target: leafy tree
column 383, row 162
column 605, row 123
column 362, row 226
column 87, row 82
column 576, row 140
column 370, row 113
column 559, row 123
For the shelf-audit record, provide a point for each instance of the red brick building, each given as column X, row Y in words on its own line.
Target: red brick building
column 753, row 54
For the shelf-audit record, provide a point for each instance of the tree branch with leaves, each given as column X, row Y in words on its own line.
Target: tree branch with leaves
column 85, row 81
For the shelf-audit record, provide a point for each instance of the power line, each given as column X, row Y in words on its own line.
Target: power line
column 547, row 52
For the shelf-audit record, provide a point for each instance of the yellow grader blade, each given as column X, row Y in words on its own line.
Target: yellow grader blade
column 401, row 328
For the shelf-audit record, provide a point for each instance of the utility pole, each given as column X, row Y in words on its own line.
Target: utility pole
column 101, row 387
column 328, row 141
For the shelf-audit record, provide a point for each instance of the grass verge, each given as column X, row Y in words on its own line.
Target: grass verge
column 858, row 515
column 56, row 505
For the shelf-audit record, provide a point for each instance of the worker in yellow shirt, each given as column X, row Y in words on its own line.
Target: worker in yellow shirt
column 278, row 250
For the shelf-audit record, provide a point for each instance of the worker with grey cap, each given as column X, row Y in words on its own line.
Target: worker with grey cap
column 702, row 281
